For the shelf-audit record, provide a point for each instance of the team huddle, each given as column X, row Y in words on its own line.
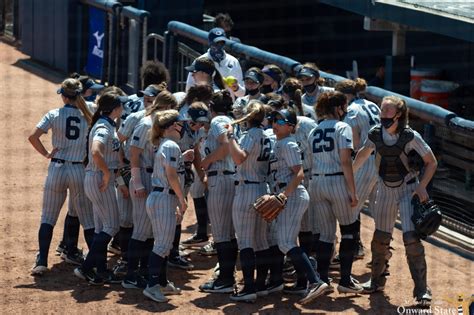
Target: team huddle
column 132, row 164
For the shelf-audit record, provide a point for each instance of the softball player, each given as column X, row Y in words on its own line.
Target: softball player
column 166, row 201
column 141, row 152
column 199, row 124
column 253, row 80
column 362, row 115
column 203, row 70
column 251, row 155
column 287, row 172
column 312, row 83
column 398, row 182
column 273, row 77
column 66, row 171
column 220, row 171
column 292, row 94
column 333, row 189
column 100, row 189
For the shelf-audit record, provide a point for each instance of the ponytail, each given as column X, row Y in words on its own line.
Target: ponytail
column 161, row 122
column 255, row 114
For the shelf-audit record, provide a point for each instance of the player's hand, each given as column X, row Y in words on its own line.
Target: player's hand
column 51, row 154
column 422, row 193
column 188, row 155
column 140, row 193
column 230, row 128
column 105, row 181
column 354, row 200
column 183, row 206
column 205, row 164
column 124, row 191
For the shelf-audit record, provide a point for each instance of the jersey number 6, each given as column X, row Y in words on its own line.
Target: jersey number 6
column 323, row 135
column 72, row 130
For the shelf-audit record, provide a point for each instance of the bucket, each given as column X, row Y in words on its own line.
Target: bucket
column 437, row 92
column 420, row 74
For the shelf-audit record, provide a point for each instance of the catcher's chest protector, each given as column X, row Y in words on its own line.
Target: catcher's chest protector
column 391, row 167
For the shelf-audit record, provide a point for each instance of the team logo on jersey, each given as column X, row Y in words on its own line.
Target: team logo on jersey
column 115, row 145
column 230, row 66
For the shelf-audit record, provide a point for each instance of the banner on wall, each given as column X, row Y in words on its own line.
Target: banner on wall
column 95, row 56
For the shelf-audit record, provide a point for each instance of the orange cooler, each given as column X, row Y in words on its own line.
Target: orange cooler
column 420, row 74
column 437, row 91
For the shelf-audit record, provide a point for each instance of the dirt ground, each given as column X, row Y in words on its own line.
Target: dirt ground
column 26, row 94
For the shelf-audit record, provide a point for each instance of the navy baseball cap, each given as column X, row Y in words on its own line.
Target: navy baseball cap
column 288, row 116
column 199, row 65
column 272, row 74
column 149, row 91
column 254, row 76
column 91, row 84
column 307, row 72
column 198, row 115
column 215, row 35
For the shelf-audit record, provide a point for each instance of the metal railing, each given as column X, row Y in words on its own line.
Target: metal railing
column 430, row 120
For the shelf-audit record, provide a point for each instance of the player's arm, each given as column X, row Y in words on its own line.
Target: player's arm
column 137, row 183
column 298, row 176
column 219, row 154
column 173, row 179
column 356, row 136
column 97, row 152
column 237, row 73
column 362, row 156
column 345, row 155
column 238, row 155
column 197, row 161
column 35, row 141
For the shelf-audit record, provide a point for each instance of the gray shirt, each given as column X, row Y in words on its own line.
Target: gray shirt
column 104, row 132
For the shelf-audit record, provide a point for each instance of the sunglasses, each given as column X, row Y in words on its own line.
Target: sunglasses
column 280, row 122
column 192, row 124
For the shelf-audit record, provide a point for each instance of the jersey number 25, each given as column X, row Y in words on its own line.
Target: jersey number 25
column 323, row 141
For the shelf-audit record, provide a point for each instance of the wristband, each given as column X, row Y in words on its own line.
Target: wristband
column 137, row 178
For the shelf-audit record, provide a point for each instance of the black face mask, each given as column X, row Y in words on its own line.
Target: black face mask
column 387, row 122
column 251, row 92
column 266, row 89
column 309, row 88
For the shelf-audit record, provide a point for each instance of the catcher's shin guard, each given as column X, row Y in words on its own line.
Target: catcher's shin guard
column 416, row 262
column 380, row 256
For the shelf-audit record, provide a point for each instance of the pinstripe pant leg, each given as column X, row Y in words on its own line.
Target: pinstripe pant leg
column 365, row 181
column 77, row 196
column 197, row 189
column 323, row 214
column 220, row 200
column 272, row 233
column 247, row 223
column 406, row 208
column 161, row 209
column 54, row 194
column 289, row 220
column 142, row 229
column 386, row 207
column 125, row 210
column 105, row 206
column 312, row 208
column 340, row 200
column 305, row 221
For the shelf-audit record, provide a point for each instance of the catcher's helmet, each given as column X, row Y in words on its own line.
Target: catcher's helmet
column 426, row 217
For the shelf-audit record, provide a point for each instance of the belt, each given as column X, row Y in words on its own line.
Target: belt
column 246, row 182
column 63, row 161
column 411, row 181
column 214, row 173
column 333, row 174
column 149, row 169
column 170, row 191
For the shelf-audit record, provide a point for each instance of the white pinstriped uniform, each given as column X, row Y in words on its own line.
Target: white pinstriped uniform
column 364, row 115
column 189, row 140
column 303, row 129
column 69, row 135
column 161, row 206
column 311, row 100
column 140, row 138
column 390, row 200
column 271, row 228
column 106, row 214
column 330, row 194
column 221, row 187
column 250, row 228
column 126, row 129
column 285, row 155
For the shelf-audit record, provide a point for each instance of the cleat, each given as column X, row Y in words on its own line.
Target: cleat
column 272, row 288
column 290, row 276
column 61, row 248
column 424, row 300
column 208, row 250
column 76, row 258
column 114, row 249
column 351, row 287
column 217, row 286
column 90, row 276
column 314, row 290
column 110, row 278
column 39, row 267
column 134, row 282
column 335, row 263
column 183, row 253
column 180, row 262
column 155, row 294
column 370, row 287
column 262, row 292
column 195, row 241
column 120, row 269
column 170, row 289
column 294, row 289
column 244, row 296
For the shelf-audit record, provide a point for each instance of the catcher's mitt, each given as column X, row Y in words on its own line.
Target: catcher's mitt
column 269, row 206
column 126, row 174
column 426, row 217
